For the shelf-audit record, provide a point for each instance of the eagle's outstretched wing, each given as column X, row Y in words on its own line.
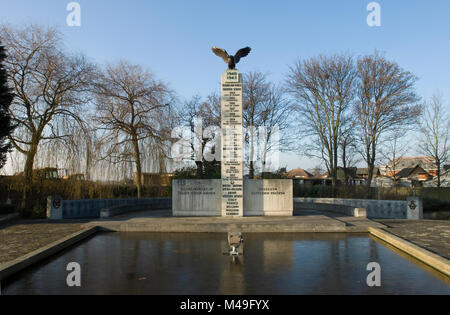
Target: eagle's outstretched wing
column 241, row 53
column 221, row 53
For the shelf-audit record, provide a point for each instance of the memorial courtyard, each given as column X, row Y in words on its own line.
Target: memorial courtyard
column 224, row 155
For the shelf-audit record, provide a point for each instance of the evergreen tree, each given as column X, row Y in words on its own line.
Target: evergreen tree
column 6, row 98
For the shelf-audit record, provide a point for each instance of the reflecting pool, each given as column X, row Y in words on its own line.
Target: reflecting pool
column 291, row 263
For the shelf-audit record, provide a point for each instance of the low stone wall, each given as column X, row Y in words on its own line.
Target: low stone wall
column 342, row 209
column 58, row 209
column 437, row 215
column 435, row 261
column 377, row 209
column 149, row 204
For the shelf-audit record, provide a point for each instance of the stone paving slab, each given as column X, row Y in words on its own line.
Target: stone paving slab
column 13, row 266
column 433, row 260
column 22, row 238
column 430, row 234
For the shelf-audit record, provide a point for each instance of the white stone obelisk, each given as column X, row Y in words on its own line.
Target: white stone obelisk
column 232, row 143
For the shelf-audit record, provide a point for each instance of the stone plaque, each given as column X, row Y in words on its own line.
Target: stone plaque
column 54, row 207
column 232, row 143
column 268, row 197
column 196, row 197
column 415, row 208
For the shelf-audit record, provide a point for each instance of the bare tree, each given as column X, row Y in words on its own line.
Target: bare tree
column 316, row 171
column 348, row 146
column 197, row 115
column 435, row 130
column 394, row 149
column 264, row 105
column 131, row 107
column 78, row 148
column 50, row 87
column 6, row 97
column 256, row 91
column 323, row 88
column 276, row 135
column 386, row 98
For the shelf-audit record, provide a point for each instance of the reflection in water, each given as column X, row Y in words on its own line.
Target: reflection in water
column 232, row 279
column 152, row 263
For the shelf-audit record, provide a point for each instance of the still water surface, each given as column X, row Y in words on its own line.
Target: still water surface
column 153, row 263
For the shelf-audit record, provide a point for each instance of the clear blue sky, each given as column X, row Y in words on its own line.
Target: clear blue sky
column 173, row 38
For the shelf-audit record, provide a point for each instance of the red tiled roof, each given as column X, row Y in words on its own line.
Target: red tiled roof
column 299, row 173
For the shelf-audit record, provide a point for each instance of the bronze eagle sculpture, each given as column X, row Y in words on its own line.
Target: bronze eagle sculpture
column 231, row 60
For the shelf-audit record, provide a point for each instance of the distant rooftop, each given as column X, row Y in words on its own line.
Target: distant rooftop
column 299, row 173
column 412, row 161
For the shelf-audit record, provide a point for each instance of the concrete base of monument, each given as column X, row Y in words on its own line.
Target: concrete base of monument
column 304, row 222
column 202, row 198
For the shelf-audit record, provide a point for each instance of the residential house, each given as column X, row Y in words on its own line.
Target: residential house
column 416, row 176
column 363, row 173
column 426, row 163
column 299, row 173
column 303, row 177
column 344, row 176
column 445, row 179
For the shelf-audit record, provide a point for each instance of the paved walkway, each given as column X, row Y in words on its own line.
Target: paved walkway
column 22, row 237
column 428, row 234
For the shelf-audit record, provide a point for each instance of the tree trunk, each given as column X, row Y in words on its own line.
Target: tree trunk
column 199, row 165
column 333, row 183
column 370, row 175
column 251, row 172
column 370, row 165
column 335, row 167
column 88, row 161
column 251, row 157
column 344, row 164
column 137, row 156
column 264, row 157
column 26, row 205
column 438, row 164
column 162, row 163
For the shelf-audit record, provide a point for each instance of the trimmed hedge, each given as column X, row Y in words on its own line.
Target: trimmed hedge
column 7, row 209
